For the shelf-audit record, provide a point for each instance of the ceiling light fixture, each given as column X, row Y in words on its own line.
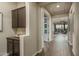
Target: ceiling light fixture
column 58, row 6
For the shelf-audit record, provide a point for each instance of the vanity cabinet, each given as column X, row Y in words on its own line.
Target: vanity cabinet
column 13, row 46
column 10, row 47
column 19, row 18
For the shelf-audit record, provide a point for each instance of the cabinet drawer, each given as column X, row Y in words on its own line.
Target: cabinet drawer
column 10, row 46
column 16, row 48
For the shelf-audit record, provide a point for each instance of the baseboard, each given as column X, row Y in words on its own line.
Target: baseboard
column 73, row 52
column 38, row 52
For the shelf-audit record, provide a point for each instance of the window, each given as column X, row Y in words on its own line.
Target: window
column 45, row 31
column 45, row 25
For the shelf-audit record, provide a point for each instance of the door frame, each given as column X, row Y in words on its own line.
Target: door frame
column 44, row 11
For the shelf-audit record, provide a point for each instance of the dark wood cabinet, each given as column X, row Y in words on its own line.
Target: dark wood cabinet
column 13, row 46
column 14, row 18
column 16, row 48
column 10, row 47
column 19, row 18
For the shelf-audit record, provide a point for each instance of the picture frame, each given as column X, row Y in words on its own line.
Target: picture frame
column 1, row 22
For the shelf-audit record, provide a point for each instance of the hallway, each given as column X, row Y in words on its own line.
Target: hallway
column 59, row 46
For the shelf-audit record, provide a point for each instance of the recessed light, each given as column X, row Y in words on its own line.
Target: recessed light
column 58, row 6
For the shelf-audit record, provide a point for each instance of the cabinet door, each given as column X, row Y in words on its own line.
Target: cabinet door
column 21, row 17
column 16, row 48
column 14, row 18
column 10, row 47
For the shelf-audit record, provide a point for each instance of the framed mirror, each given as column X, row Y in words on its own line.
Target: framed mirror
column 1, row 22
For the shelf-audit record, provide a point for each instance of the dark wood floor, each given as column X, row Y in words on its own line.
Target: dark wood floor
column 58, row 47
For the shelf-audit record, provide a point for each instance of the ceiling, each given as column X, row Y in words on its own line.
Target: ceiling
column 63, row 8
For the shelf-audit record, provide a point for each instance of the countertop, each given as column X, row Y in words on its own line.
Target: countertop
column 13, row 37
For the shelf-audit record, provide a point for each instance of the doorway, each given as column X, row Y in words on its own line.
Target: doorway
column 61, row 27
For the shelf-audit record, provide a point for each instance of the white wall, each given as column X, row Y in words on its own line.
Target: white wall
column 5, row 9
column 20, row 4
column 75, row 10
column 71, row 24
column 30, row 45
column 39, row 27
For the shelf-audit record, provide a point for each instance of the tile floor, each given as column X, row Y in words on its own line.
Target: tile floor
column 59, row 46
